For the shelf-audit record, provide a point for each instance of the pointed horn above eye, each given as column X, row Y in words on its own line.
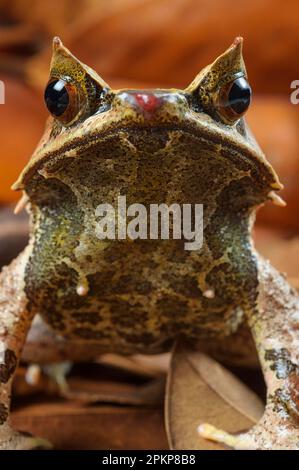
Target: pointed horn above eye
column 238, row 42
column 235, row 51
column 230, row 62
column 58, row 47
column 57, row 42
column 231, row 59
column 60, row 52
column 65, row 63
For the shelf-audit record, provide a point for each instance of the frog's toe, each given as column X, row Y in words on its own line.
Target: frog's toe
column 24, row 441
column 29, row 442
column 279, row 436
column 234, row 441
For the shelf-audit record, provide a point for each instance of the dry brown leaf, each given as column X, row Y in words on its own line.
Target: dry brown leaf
column 224, row 402
column 119, row 393
column 228, row 387
column 71, row 425
column 90, row 389
column 148, row 366
column 158, row 363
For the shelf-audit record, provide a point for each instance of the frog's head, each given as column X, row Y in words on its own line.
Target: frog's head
column 153, row 145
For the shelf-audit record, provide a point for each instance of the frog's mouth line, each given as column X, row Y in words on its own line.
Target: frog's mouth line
column 206, row 137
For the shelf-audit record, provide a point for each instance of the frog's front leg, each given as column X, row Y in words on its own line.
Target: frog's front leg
column 275, row 328
column 15, row 320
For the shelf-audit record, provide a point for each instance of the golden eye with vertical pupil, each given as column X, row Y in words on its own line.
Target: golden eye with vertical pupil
column 234, row 99
column 62, row 100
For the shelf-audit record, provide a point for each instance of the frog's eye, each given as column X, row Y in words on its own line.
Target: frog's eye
column 62, row 100
column 234, row 99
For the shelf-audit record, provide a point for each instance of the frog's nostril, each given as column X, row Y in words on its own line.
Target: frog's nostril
column 148, row 102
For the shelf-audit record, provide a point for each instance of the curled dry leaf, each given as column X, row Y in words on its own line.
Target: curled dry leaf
column 200, row 390
column 227, row 385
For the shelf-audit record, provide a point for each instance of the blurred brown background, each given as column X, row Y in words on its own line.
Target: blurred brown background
column 149, row 43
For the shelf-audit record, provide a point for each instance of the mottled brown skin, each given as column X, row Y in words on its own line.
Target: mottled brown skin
column 142, row 295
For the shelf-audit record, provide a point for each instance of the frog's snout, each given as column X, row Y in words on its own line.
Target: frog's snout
column 150, row 103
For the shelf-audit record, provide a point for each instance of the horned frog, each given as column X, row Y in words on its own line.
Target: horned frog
column 153, row 146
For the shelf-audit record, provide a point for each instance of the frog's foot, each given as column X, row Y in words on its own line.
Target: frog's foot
column 280, row 436
column 15, row 440
column 237, row 442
